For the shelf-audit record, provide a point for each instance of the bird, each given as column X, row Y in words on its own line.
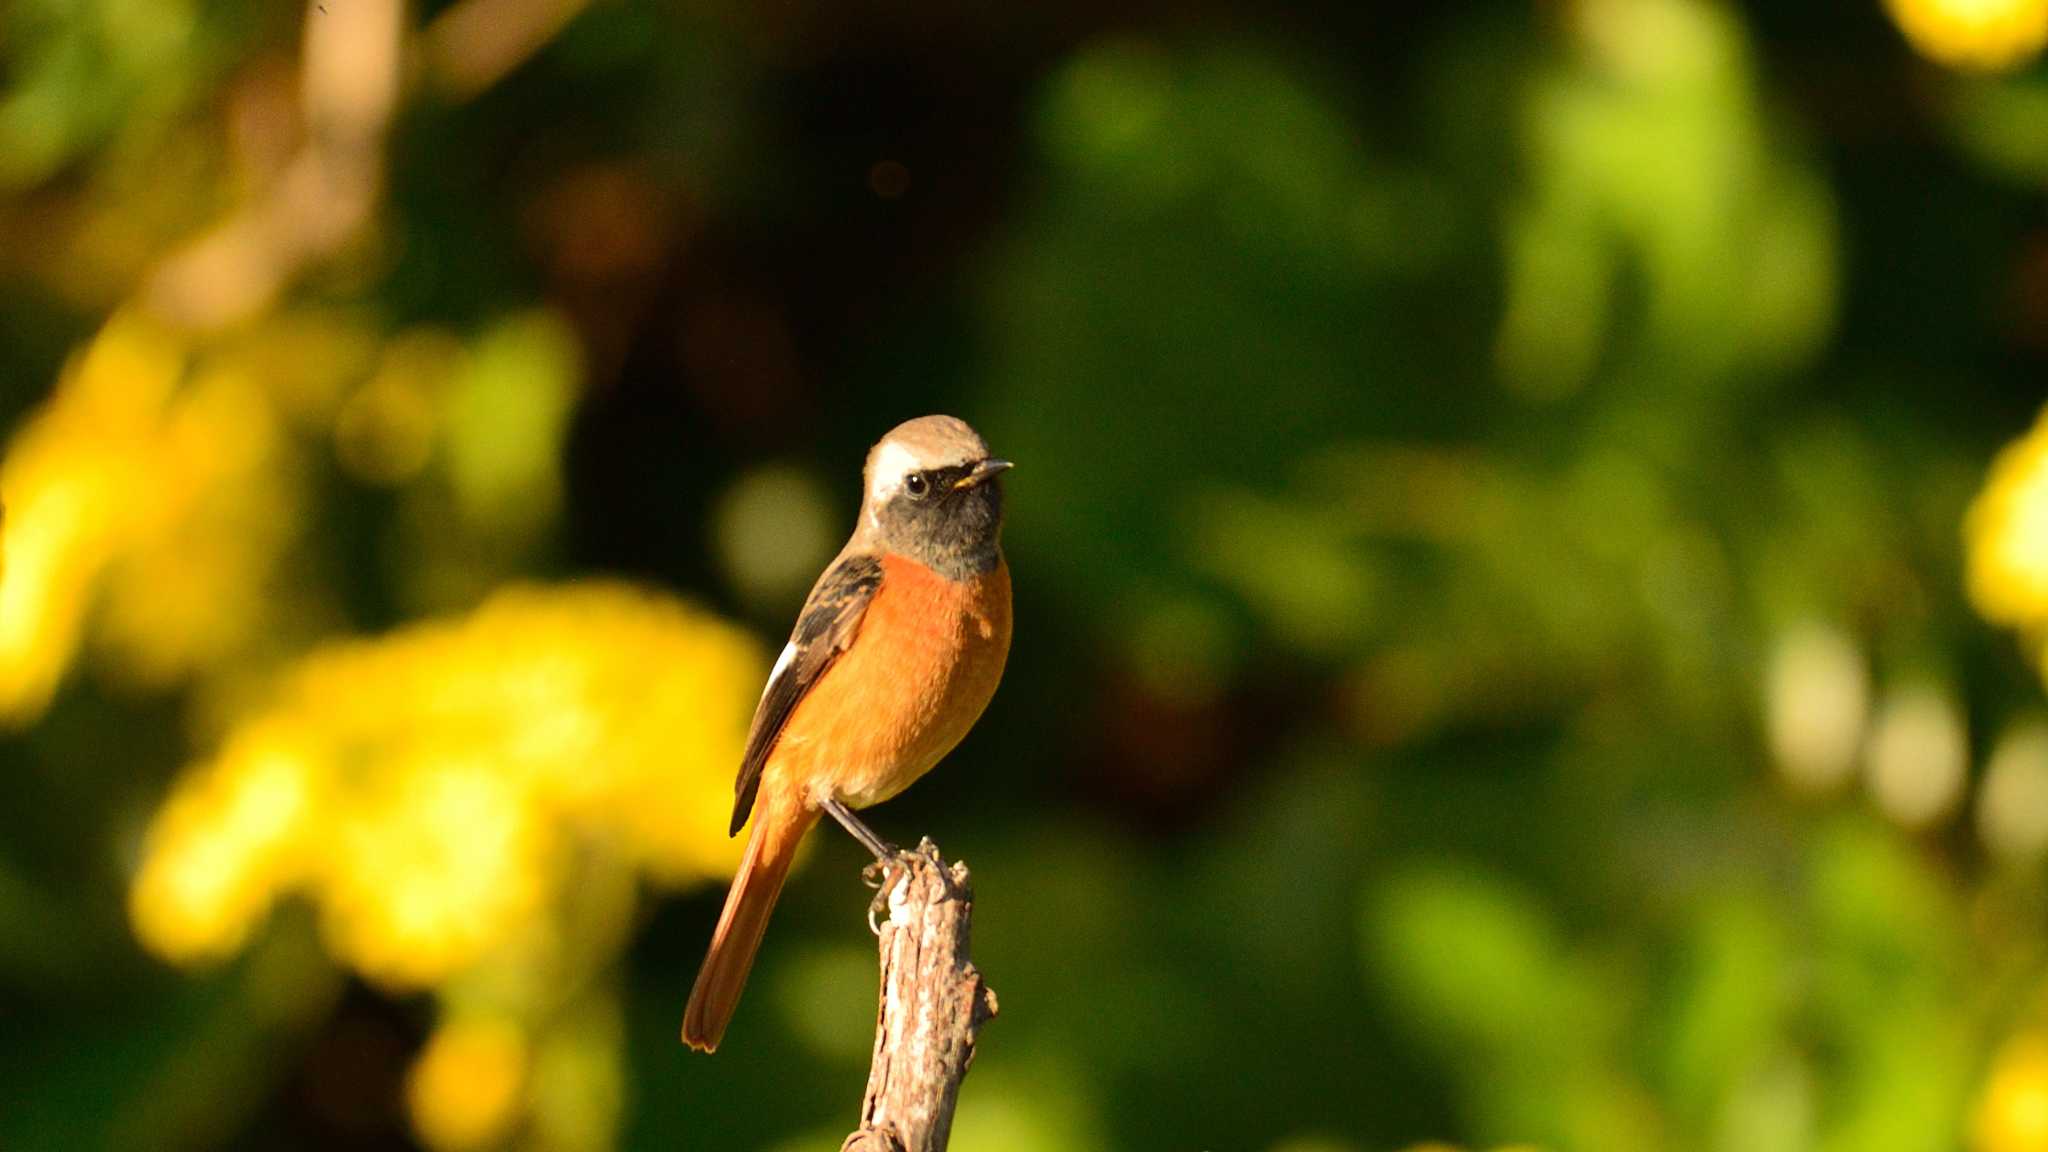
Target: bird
column 894, row 656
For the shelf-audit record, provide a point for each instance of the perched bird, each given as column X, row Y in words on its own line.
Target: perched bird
column 894, row 656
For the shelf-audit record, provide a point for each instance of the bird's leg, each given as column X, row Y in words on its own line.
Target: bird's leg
column 883, row 850
column 889, row 860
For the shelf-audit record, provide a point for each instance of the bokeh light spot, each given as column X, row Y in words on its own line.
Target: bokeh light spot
column 2012, row 806
column 1917, row 758
column 2012, row 1115
column 1986, row 35
column 464, row 1091
column 1817, row 700
column 772, row 531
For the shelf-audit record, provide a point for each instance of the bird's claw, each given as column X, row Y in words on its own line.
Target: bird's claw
column 875, row 906
column 878, row 871
column 884, row 872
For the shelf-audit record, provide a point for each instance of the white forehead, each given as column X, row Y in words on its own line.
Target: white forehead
column 916, row 445
column 892, row 463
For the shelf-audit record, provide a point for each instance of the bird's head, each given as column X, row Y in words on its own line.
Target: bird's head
column 934, row 494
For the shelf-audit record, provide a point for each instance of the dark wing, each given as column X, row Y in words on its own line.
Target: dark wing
column 829, row 622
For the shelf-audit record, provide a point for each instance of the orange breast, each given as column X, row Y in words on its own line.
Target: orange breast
column 927, row 659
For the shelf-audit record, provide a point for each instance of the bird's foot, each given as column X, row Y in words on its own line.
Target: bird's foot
column 882, row 875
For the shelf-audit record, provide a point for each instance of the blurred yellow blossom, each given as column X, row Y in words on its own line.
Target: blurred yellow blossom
column 1975, row 34
column 68, row 481
column 2006, row 531
column 213, row 512
column 153, row 488
column 2012, row 1115
column 219, row 846
column 424, row 789
column 155, row 499
column 464, row 1091
column 432, row 866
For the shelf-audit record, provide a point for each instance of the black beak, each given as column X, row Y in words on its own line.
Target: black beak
column 982, row 471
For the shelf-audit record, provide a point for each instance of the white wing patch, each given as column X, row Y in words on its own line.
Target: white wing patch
column 782, row 664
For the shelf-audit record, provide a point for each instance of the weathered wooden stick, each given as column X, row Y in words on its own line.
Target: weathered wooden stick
column 933, row 1004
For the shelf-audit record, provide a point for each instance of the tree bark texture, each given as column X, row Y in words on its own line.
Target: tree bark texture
column 933, row 1004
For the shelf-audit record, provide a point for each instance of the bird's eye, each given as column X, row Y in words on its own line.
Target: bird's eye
column 916, row 484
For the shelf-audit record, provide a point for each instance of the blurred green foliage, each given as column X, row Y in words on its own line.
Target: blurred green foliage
column 1531, row 537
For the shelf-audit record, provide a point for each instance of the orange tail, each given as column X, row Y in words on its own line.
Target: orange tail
column 779, row 824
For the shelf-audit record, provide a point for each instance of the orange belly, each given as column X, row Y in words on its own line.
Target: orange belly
column 927, row 659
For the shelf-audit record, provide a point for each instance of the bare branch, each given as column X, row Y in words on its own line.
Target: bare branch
column 933, row 1004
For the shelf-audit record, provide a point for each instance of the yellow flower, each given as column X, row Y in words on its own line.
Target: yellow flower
column 464, row 1092
column 225, row 846
column 446, row 778
column 1974, row 34
column 157, row 486
column 187, row 587
column 430, row 869
column 68, row 480
column 2012, row 1116
column 2006, row 531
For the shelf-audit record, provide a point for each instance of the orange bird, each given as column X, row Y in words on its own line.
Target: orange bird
column 894, row 656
